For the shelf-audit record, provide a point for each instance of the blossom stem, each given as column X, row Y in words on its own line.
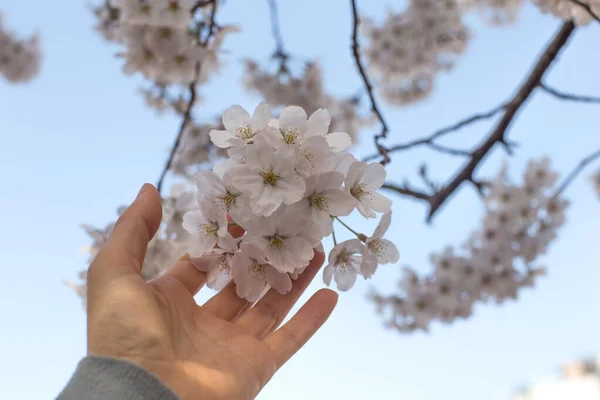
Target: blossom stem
column 358, row 235
column 333, row 236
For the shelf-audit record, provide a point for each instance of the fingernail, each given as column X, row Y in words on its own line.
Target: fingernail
column 143, row 191
column 320, row 248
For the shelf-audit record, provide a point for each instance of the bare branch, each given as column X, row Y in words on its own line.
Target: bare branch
column 429, row 140
column 576, row 171
column 368, row 86
column 407, row 191
column 511, row 110
column 187, row 115
column 588, row 8
column 568, row 96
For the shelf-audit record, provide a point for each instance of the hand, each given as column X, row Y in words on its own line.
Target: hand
column 224, row 349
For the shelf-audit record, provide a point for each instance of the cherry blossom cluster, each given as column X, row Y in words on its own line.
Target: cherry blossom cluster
column 307, row 90
column 19, row 58
column 169, row 243
column 569, row 10
column 161, row 39
column 410, row 48
column 496, row 12
column 494, row 264
column 284, row 182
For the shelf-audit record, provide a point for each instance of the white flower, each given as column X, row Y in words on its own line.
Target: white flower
column 538, row 174
column 294, row 129
column 269, row 178
column 285, row 237
column 345, row 261
column 217, row 263
column 362, row 181
column 253, row 274
column 239, row 127
column 224, row 194
column 237, row 157
column 207, row 225
column 379, row 250
column 323, row 198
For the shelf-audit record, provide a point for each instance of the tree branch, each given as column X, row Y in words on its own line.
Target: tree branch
column 588, row 8
column 368, row 86
column 576, row 171
column 187, row 115
column 568, row 96
column 511, row 110
column 430, row 140
column 405, row 190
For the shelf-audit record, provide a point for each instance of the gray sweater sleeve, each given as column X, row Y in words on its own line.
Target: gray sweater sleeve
column 102, row 378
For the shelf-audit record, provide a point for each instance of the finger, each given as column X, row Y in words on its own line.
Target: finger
column 186, row 273
column 227, row 304
column 268, row 313
column 288, row 339
column 126, row 247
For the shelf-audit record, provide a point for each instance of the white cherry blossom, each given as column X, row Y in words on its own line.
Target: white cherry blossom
column 324, row 198
column 269, row 179
column 207, row 225
column 217, row 263
column 344, row 264
column 379, row 250
column 285, row 237
column 240, row 128
column 362, row 182
column 253, row 274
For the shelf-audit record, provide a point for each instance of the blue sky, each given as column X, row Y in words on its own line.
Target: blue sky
column 77, row 142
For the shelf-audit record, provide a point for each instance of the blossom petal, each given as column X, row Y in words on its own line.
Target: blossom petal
column 344, row 278
column 220, row 276
column 379, row 202
column 220, row 138
column 341, row 203
column 369, row 264
column 354, row 175
column 318, row 123
column 384, row 251
column 329, row 180
column 384, row 224
column 338, row 141
column 209, row 184
column 374, row 175
column 261, row 117
column 235, row 117
column 281, row 282
column 293, row 118
column 328, row 274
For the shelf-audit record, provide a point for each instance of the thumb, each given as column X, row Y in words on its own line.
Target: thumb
column 126, row 247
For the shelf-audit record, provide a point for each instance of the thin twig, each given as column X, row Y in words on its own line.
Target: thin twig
column 588, row 9
column 187, row 115
column 368, row 86
column 568, row 96
column 576, row 171
column 405, row 190
column 275, row 26
column 429, row 140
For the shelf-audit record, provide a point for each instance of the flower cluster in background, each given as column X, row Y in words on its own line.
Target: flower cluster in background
column 19, row 58
column 410, row 48
column 494, row 264
column 567, row 9
column 284, row 182
column 163, row 40
column 307, row 90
